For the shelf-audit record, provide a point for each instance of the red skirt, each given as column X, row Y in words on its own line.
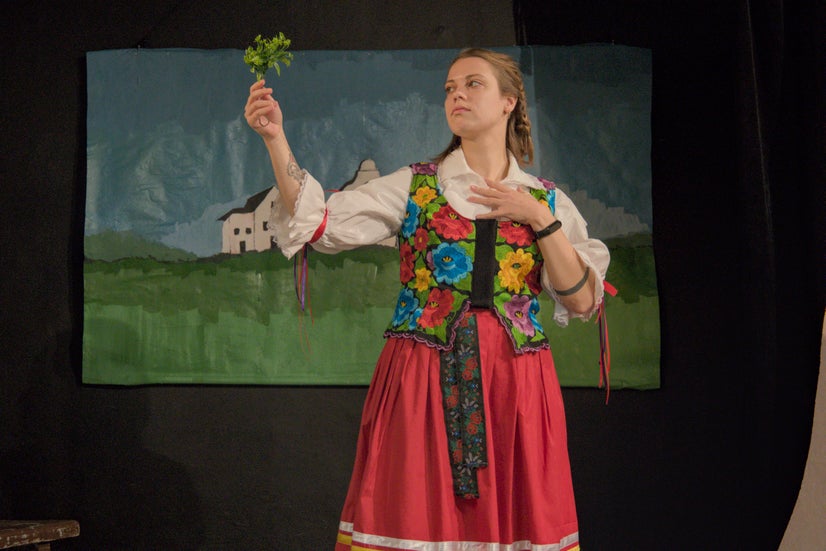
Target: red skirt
column 401, row 492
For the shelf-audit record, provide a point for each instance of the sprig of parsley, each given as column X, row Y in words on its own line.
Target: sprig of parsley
column 268, row 52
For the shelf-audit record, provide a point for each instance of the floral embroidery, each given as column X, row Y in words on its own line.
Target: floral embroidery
column 437, row 307
column 516, row 233
column 518, row 310
column 453, row 398
column 550, row 193
column 422, row 279
column 424, row 195
column 534, row 278
column 411, row 218
column 450, row 225
column 437, row 247
column 533, row 313
column 464, row 408
column 406, row 265
column 420, row 240
column 428, row 169
column 450, row 263
column 414, row 318
column 457, row 452
column 405, row 306
column 514, row 268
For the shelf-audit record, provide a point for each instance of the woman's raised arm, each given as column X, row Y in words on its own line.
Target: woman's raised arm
column 264, row 115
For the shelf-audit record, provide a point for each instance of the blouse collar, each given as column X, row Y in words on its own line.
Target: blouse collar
column 456, row 177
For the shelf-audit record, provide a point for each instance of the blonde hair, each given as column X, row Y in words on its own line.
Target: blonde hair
column 509, row 77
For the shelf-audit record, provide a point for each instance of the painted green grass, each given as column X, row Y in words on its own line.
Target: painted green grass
column 235, row 320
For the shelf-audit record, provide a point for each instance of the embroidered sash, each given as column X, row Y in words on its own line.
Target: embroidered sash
column 464, row 409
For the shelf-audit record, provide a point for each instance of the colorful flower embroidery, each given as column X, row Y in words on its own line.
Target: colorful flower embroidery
column 422, row 279
column 411, row 219
column 437, row 247
column 420, row 240
column 461, row 382
column 439, row 303
column 453, row 398
column 518, row 311
column 413, row 322
column 424, row 195
column 450, row 225
column 549, row 198
column 534, row 312
column 406, row 266
column 428, row 169
column 516, row 233
column 450, row 263
column 513, row 269
column 457, row 452
column 405, row 307
column 534, row 278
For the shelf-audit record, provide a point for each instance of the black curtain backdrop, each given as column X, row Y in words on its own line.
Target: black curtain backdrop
column 713, row 460
column 738, row 174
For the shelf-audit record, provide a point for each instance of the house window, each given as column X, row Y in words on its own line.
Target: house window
column 265, row 225
column 243, row 246
column 248, row 231
column 236, row 231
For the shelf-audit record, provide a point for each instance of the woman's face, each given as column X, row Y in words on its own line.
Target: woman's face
column 474, row 106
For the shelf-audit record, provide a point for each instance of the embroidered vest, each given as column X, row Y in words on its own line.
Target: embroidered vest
column 446, row 259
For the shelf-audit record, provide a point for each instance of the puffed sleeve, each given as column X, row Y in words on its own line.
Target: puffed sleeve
column 347, row 219
column 593, row 252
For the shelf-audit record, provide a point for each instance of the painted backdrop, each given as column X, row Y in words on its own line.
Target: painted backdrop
column 181, row 283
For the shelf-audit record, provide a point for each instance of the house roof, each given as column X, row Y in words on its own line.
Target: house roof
column 252, row 203
column 366, row 171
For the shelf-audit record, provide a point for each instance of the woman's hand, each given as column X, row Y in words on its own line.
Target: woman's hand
column 262, row 112
column 514, row 204
column 562, row 263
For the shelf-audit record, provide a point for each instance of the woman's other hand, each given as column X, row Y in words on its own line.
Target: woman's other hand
column 514, row 204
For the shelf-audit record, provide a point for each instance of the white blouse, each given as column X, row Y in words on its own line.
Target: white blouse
column 374, row 211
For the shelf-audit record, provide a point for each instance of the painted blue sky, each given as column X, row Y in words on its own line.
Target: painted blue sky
column 168, row 150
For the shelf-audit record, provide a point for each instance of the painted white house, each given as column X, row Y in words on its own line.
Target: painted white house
column 247, row 228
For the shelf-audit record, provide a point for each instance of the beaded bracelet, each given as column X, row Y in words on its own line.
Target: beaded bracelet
column 546, row 231
column 580, row 284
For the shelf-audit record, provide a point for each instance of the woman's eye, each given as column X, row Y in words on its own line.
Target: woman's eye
column 449, row 89
column 474, row 84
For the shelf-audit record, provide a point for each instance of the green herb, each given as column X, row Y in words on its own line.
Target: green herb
column 268, row 52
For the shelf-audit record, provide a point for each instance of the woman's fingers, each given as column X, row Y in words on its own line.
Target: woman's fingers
column 261, row 108
column 259, row 93
column 493, row 192
column 504, row 201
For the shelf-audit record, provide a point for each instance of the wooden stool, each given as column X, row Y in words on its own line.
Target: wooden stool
column 16, row 533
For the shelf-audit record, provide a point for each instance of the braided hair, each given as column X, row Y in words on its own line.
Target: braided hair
column 509, row 77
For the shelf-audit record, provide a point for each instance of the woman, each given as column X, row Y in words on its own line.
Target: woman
column 463, row 439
